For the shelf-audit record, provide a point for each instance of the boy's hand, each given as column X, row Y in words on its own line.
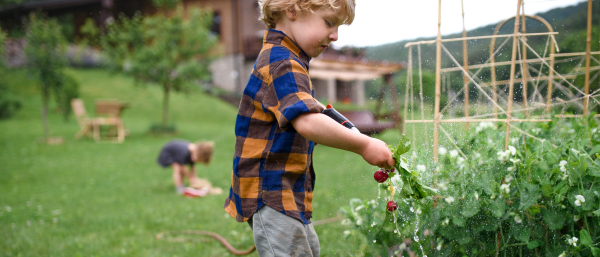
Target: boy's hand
column 377, row 153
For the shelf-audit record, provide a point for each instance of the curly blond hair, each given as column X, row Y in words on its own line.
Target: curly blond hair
column 204, row 151
column 271, row 9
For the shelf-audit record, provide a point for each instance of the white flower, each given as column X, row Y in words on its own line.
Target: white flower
column 421, row 168
column 576, row 218
column 505, row 188
column 514, row 140
column 563, row 254
column 442, row 150
column 443, row 186
column 503, row 155
column 460, row 160
column 476, row 196
column 512, row 150
column 579, row 200
column 518, row 219
column 573, row 241
column 449, row 199
column 563, row 169
column 477, row 154
column 347, row 232
column 594, row 131
column 359, row 222
column 453, row 153
column 575, row 152
column 514, row 160
column 562, row 163
column 402, row 246
column 511, row 169
column 508, row 178
column 439, row 246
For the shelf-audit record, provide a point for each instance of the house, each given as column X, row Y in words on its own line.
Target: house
column 337, row 75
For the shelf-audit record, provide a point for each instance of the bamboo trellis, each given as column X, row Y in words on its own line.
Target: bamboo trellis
column 520, row 49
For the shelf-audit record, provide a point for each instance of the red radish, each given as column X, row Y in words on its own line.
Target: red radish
column 392, row 206
column 392, row 170
column 381, row 176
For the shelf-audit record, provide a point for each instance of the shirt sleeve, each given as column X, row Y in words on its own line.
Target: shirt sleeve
column 290, row 94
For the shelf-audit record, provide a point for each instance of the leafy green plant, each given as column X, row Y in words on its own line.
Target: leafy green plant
column 537, row 198
column 169, row 51
column 46, row 60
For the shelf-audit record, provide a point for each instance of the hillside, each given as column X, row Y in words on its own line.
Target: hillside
column 570, row 22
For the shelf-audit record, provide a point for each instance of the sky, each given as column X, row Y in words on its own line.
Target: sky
column 380, row 22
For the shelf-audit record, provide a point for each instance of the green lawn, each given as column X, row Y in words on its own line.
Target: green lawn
column 83, row 198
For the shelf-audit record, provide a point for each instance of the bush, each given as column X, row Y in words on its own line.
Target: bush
column 538, row 198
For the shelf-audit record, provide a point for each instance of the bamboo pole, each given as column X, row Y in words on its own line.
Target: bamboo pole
column 408, row 84
column 493, row 75
column 588, row 49
column 485, row 65
column 428, row 42
column 461, row 120
column 421, row 93
column 573, row 54
column 550, row 77
column 438, row 67
column 524, row 71
column 512, row 77
column 466, row 66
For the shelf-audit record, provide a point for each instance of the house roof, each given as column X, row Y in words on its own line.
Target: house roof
column 46, row 4
column 350, row 70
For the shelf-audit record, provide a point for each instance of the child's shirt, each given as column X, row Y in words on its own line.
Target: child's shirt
column 272, row 164
column 175, row 151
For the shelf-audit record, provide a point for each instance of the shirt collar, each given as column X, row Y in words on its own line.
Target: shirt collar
column 279, row 38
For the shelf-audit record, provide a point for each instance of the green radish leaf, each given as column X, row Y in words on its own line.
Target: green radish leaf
column 403, row 146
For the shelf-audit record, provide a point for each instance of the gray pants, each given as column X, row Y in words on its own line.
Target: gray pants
column 276, row 234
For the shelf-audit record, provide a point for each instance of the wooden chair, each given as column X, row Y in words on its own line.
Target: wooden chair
column 86, row 124
column 108, row 113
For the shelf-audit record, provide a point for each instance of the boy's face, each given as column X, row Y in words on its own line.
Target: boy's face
column 314, row 31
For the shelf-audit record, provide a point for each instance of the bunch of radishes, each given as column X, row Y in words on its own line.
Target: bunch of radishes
column 381, row 176
column 409, row 183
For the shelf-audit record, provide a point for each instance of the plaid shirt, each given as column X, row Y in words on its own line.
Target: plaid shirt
column 272, row 164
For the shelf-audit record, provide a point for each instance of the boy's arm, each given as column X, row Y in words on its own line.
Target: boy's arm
column 321, row 129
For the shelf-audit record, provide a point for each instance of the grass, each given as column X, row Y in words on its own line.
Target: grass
column 83, row 198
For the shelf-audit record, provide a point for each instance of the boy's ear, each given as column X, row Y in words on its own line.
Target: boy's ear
column 291, row 14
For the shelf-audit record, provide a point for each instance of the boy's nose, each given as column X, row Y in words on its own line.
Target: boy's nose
column 334, row 35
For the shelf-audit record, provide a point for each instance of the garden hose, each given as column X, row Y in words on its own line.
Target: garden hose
column 222, row 240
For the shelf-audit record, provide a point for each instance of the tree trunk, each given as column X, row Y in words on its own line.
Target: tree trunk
column 45, row 96
column 165, row 116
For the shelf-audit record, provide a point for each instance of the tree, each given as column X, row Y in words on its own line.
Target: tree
column 173, row 51
column 46, row 60
column 8, row 103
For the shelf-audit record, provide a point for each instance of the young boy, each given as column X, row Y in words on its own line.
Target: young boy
column 178, row 154
column 279, row 122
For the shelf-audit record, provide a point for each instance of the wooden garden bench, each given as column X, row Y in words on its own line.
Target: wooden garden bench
column 108, row 113
column 366, row 123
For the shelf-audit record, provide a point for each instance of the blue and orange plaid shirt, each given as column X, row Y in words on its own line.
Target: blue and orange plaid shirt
column 272, row 164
